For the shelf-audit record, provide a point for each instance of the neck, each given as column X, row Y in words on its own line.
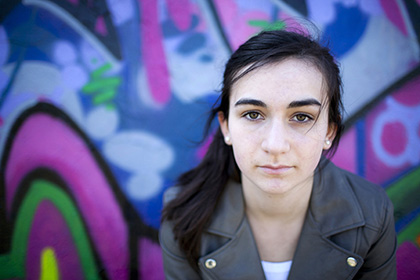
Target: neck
column 276, row 218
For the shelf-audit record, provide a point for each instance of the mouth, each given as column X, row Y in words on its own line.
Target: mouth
column 275, row 169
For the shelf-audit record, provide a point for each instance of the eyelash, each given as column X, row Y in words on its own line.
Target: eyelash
column 308, row 118
column 247, row 115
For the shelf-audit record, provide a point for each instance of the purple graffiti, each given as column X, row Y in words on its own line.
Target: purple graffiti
column 408, row 260
column 180, row 13
column 50, row 230
column 153, row 53
column 44, row 141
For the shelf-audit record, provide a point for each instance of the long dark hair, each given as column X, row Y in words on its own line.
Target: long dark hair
column 203, row 186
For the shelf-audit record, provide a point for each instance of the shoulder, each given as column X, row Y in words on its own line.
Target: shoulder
column 355, row 216
column 372, row 199
column 171, row 193
column 166, row 235
column 224, row 222
column 175, row 263
column 365, row 191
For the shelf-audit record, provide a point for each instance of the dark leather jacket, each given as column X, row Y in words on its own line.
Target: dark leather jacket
column 348, row 233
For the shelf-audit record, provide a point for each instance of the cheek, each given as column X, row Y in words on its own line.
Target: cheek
column 317, row 134
column 309, row 148
column 314, row 145
column 240, row 159
column 307, row 142
column 243, row 151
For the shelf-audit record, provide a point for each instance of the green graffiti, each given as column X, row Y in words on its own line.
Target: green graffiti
column 266, row 25
column 410, row 233
column 13, row 264
column 404, row 194
column 101, row 87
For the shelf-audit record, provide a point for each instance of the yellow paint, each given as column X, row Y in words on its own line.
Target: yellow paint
column 49, row 265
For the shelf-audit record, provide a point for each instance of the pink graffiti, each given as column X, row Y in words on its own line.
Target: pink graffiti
column 150, row 260
column 74, row 2
column 345, row 156
column 408, row 259
column 227, row 10
column 409, row 96
column 202, row 24
column 49, row 229
column 394, row 14
column 153, row 54
column 292, row 23
column 236, row 21
column 180, row 13
column 100, row 26
column 394, row 132
column 418, row 131
column 201, row 152
column 394, row 138
column 372, row 163
column 44, row 141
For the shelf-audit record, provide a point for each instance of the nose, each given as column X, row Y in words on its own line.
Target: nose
column 276, row 138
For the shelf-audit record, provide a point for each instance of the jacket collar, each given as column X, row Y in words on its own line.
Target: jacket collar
column 333, row 205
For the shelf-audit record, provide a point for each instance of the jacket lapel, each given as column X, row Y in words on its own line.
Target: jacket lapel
column 237, row 257
column 333, row 209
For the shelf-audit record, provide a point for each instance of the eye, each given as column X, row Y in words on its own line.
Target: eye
column 253, row 116
column 302, row 118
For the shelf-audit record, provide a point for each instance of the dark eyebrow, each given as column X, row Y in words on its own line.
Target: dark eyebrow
column 254, row 102
column 305, row 102
column 293, row 104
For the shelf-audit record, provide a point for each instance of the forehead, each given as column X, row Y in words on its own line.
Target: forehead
column 285, row 81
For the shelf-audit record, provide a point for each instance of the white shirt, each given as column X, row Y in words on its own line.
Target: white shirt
column 276, row 270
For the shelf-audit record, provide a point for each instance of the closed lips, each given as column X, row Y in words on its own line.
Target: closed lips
column 275, row 169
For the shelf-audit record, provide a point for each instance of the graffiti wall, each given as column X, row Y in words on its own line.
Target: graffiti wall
column 103, row 105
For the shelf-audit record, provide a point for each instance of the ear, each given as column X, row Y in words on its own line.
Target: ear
column 329, row 138
column 223, row 122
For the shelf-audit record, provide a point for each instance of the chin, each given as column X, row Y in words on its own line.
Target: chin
column 276, row 188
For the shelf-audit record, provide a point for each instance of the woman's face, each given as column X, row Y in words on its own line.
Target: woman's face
column 277, row 126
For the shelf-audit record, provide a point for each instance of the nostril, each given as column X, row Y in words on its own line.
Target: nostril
column 276, row 145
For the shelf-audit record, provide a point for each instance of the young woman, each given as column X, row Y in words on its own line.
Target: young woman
column 265, row 203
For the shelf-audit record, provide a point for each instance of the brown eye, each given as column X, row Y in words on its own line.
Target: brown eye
column 302, row 118
column 253, row 116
